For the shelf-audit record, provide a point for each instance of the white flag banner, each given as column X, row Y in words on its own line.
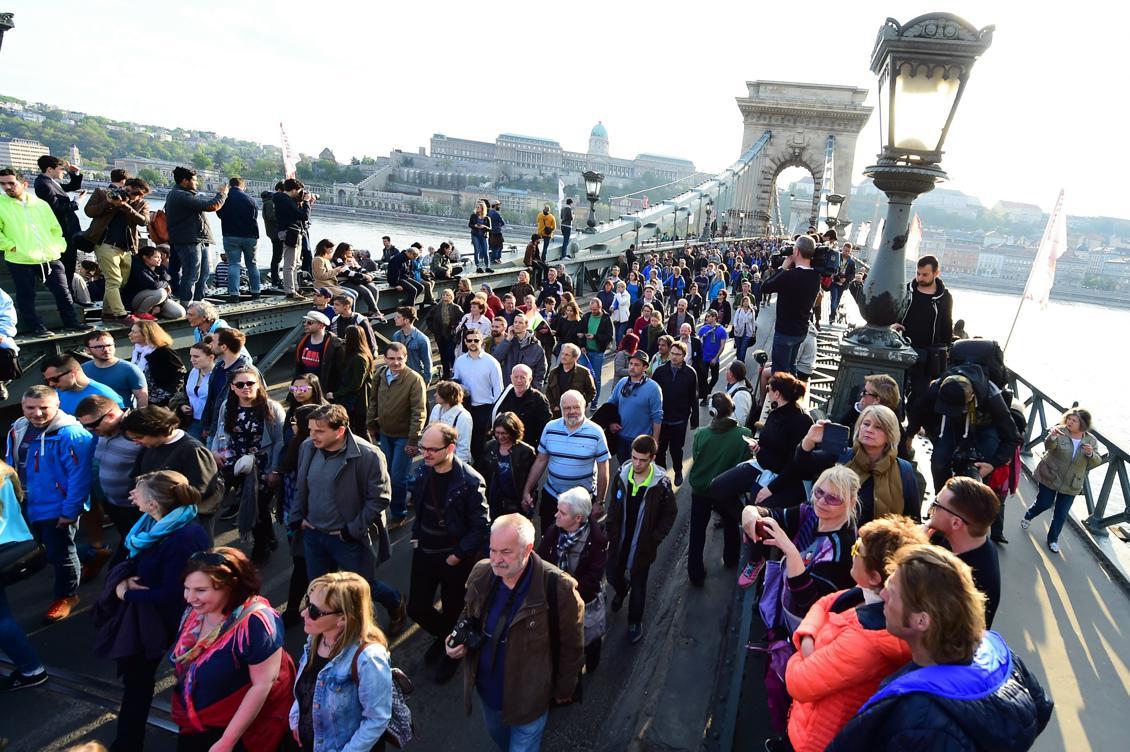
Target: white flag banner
column 1052, row 246
column 861, row 234
column 914, row 238
column 290, row 164
column 878, row 237
column 560, row 194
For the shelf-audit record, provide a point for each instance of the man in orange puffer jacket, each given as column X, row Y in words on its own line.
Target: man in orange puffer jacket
column 844, row 648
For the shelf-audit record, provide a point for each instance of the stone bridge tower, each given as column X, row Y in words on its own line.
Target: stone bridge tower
column 801, row 117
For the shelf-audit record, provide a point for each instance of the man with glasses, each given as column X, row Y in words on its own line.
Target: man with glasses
column 62, row 372
column 52, row 455
column 481, row 377
column 107, row 368
column 114, row 455
column 32, row 242
column 117, row 213
column 397, row 413
column 166, row 447
column 339, row 504
column 963, row 513
column 450, row 533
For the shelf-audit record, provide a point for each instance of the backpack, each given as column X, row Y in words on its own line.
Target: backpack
column 985, row 353
column 400, row 729
column 159, row 227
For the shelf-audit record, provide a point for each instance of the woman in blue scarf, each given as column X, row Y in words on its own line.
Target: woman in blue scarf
column 143, row 599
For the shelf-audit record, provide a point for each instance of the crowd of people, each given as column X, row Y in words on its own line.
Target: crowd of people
column 877, row 621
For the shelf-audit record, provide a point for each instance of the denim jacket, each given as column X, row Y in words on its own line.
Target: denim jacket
column 349, row 717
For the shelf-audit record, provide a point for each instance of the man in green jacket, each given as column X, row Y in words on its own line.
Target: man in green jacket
column 397, row 413
column 32, row 242
column 717, row 448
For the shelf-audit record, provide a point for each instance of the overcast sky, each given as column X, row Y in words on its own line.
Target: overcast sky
column 1038, row 115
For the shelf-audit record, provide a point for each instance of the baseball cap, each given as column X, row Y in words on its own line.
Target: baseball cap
column 325, row 292
column 953, row 396
column 317, row 316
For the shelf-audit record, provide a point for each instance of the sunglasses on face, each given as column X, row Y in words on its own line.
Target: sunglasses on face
column 819, row 494
column 244, row 384
column 315, row 612
column 95, row 423
column 54, row 379
column 299, row 389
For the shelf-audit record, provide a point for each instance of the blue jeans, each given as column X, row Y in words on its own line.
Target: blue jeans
column 329, row 553
column 1045, row 499
column 524, row 738
column 245, row 247
column 742, row 344
column 13, row 641
column 194, row 269
column 61, row 554
column 24, row 278
column 565, row 233
column 545, row 242
column 621, row 330
column 837, row 293
column 596, row 366
column 785, row 349
column 482, row 252
column 400, row 468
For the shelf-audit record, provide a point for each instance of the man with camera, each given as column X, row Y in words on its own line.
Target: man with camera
column 189, row 233
column 292, row 213
column 522, row 632
column 841, row 280
column 797, row 286
column 449, row 535
column 118, row 212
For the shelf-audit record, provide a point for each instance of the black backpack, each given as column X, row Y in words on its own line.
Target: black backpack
column 985, row 353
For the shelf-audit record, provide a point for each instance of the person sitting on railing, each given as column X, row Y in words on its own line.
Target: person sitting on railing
column 844, row 648
column 323, row 271
column 1070, row 451
column 815, row 540
column 148, row 286
column 351, row 275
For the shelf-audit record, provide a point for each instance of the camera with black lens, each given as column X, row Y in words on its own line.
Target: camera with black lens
column 777, row 260
column 468, row 631
column 308, row 196
column 119, row 194
column 964, row 462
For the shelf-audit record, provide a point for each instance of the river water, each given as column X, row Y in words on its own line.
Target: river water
column 1069, row 351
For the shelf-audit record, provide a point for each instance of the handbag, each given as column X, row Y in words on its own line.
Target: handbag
column 10, row 368
column 20, row 560
column 596, row 620
column 401, row 727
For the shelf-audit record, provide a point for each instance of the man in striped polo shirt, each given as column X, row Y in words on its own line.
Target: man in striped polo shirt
column 574, row 451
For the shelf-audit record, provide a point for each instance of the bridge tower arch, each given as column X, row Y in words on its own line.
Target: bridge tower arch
column 801, row 117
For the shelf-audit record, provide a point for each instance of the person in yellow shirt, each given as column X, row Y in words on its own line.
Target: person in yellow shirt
column 547, row 223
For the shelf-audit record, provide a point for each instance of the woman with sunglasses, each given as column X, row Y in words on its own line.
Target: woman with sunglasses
column 844, row 648
column 233, row 678
column 142, row 599
column 304, row 390
column 343, row 695
column 250, row 426
column 814, row 540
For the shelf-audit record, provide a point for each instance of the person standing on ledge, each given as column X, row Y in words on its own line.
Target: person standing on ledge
column 547, row 223
column 49, row 188
column 566, row 227
column 32, row 242
column 239, row 222
column 797, row 285
column 928, row 323
column 190, row 234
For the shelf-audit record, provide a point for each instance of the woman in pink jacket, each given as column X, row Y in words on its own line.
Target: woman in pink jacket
column 844, row 648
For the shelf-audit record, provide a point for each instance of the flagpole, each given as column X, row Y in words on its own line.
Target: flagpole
column 1046, row 242
column 1015, row 318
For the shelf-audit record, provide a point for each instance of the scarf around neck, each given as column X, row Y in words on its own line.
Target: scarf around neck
column 565, row 541
column 887, row 486
column 147, row 531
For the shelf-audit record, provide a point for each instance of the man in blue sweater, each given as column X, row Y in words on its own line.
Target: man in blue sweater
column 239, row 222
column 640, row 402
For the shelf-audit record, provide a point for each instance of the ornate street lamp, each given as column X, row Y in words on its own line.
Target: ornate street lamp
column 593, row 181
column 835, row 201
column 923, row 67
column 6, row 24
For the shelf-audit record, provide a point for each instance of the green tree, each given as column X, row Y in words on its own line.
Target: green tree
column 235, row 166
column 151, row 176
column 201, row 160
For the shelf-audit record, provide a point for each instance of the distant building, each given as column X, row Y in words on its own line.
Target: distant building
column 76, row 156
column 21, row 153
column 1016, row 211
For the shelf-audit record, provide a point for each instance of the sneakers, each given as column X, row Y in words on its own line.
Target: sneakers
column 635, row 633
column 478, row 270
column 750, row 572
column 42, row 332
column 91, row 568
column 678, row 479
column 16, row 680
column 60, row 609
column 398, row 618
column 1025, row 523
column 1053, row 547
column 489, row 270
column 295, row 297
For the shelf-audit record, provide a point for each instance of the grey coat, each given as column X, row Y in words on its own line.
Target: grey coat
column 184, row 212
column 511, row 352
column 361, row 491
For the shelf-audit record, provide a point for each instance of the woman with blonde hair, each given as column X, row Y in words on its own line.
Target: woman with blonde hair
column 343, row 695
column 153, row 353
column 889, row 485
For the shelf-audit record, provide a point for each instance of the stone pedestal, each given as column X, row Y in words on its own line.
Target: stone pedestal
column 863, row 355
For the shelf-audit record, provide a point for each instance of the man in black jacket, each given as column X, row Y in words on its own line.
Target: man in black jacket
column 987, row 699
column 292, row 212
column 566, row 227
column 449, row 534
column 797, row 285
column 239, row 222
column 49, row 188
column 400, row 275
column 928, row 323
column 679, row 384
column 841, row 281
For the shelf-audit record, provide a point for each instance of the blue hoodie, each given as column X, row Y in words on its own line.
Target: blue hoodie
column 59, row 468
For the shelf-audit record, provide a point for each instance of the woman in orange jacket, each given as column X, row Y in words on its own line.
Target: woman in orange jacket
column 844, row 648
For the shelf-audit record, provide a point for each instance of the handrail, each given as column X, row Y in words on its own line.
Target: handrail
column 1114, row 460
